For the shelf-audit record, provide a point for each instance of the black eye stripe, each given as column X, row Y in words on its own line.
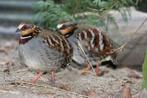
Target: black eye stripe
column 26, row 27
column 23, row 28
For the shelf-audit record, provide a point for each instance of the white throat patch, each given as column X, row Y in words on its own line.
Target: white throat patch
column 25, row 37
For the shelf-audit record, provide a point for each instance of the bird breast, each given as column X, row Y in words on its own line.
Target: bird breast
column 37, row 55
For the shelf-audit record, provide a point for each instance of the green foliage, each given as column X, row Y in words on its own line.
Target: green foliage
column 144, row 84
column 49, row 13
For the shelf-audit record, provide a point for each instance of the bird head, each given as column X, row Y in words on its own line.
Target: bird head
column 27, row 31
column 66, row 28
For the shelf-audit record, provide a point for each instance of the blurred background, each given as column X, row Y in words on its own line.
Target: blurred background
column 12, row 12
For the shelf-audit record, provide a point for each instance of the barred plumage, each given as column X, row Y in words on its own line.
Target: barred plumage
column 58, row 42
column 96, row 44
column 43, row 49
column 95, row 41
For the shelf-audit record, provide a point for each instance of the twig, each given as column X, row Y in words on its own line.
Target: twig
column 55, row 88
column 122, row 46
column 119, row 48
column 7, row 91
column 22, row 70
column 140, row 26
column 4, row 51
column 79, row 44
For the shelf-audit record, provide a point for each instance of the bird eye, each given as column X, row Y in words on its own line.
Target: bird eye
column 23, row 28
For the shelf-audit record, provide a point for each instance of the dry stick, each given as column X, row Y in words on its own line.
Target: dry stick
column 119, row 48
column 141, row 25
column 122, row 46
column 55, row 88
column 80, row 46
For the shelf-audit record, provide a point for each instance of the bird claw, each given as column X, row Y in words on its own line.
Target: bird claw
column 85, row 70
column 36, row 78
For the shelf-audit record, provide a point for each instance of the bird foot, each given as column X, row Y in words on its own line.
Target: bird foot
column 36, row 78
column 86, row 70
column 98, row 70
column 52, row 78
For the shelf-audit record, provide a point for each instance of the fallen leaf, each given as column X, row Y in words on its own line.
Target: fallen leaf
column 65, row 87
column 4, row 51
column 90, row 93
column 126, row 92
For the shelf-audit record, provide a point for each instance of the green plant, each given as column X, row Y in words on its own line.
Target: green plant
column 144, row 84
column 49, row 14
column 92, row 12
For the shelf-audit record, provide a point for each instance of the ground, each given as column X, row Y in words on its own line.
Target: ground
column 15, row 78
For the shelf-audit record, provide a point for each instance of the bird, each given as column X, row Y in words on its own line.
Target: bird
column 90, row 44
column 43, row 50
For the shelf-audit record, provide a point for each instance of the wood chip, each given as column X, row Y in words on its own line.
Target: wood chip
column 90, row 94
column 65, row 87
column 4, row 51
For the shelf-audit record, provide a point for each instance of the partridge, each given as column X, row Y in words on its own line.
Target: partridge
column 43, row 50
column 97, row 46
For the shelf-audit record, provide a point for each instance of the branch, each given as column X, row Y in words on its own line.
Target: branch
column 85, row 14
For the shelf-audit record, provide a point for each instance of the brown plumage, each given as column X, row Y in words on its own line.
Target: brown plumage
column 43, row 50
column 95, row 43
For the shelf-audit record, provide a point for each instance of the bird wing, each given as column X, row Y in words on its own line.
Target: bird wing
column 57, row 43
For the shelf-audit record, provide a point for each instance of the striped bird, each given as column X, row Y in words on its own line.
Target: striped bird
column 43, row 50
column 89, row 42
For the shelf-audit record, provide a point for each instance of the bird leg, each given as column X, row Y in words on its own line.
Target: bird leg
column 53, row 77
column 97, row 70
column 37, row 76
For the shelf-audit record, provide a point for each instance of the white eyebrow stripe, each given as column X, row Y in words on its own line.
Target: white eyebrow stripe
column 59, row 26
column 20, row 26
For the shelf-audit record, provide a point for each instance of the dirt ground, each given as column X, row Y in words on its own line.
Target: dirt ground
column 15, row 80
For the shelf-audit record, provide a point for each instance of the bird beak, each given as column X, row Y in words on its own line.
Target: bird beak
column 17, row 30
